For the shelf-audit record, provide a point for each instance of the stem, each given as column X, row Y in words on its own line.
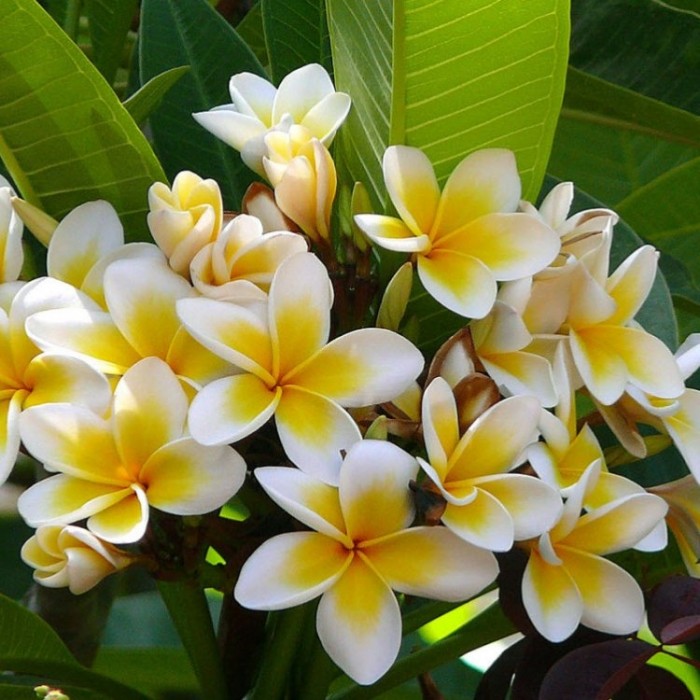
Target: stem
column 489, row 626
column 278, row 658
column 320, row 672
column 189, row 611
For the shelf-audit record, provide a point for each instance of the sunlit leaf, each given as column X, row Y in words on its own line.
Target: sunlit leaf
column 64, row 135
column 450, row 80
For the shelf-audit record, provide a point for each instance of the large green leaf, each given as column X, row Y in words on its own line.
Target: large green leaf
column 611, row 140
column 109, row 22
column 250, row 29
column 64, row 135
column 190, row 32
column 449, row 78
column 29, row 646
column 667, row 212
column 296, row 33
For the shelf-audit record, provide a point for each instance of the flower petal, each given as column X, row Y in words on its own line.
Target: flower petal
column 461, row 283
column 432, row 562
column 359, row 623
column 684, row 429
column 228, row 409
column 326, row 116
column 551, row 598
column 10, row 408
column 631, row 283
column 123, row 522
column 290, row 569
column 360, row 368
column 191, row 361
column 231, row 127
column 300, row 91
column 186, row 478
column 300, row 303
column 374, row 494
column 483, row 522
column 150, row 410
column 309, row 500
column 533, row 505
column 612, row 599
column 494, row 443
column 391, row 233
column 314, row 431
column 440, row 424
column 485, row 182
column 412, row 186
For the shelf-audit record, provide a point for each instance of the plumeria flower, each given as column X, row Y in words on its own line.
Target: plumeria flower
column 567, row 581
column 290, row 370
column 486, row 505
column 360, row 547
column 185, row 218
column 562, row 459
column 306, row 96
column 85, row 242
column 28, row 377
column 500, row 342
column 467, row 237
column 70, row 556
column 301, row 170
column 112, row 469
column 140, row 321
column 242, row 260
column 683, row 518
column 11, row 227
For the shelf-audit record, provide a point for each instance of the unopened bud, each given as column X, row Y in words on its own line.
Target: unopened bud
column 37, row 221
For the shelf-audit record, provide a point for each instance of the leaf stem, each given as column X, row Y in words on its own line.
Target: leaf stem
column 189, row 611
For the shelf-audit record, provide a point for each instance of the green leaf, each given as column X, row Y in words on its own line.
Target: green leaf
column 148, row 97
column 611, row 140
column 643, row 45
column 250, row 29
column 449, row 80
column 666, row 212
column 191, row 32
column 108, row 23
column 296, row 33
column 29, row 646
column 64, row 136
column 144, row 668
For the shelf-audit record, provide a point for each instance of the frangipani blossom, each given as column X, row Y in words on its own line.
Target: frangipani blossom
column 486, row 505
column 567, row 581
column 66, row 555
column 242, row 260
column 290, row 370
column 11, row 227
column 500, row 342
column 112, row 469
column 85, row 242
column 301, row 170
column 306, row 96
column 140, row 321
column 184, row 218
column 359, row 549
column 28, row 377
column 467, row 237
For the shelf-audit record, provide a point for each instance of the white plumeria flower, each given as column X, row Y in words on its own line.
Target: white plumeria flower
column 567, row 581
column 140, row 321
column 486, row 505
column 112, row 469
column 85, row 242
column 467, row 237
column 500, row 342
column 70, row 556
column 11, row 227
column 306, row 96
column 359, row 549
column 291, row 371
column 241, row 262
column 28, row 377
column 185, row 218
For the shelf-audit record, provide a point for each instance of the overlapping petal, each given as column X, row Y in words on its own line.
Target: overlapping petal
column 440, row 424
column 484, row 522
column 391, row 233
column 125, row 521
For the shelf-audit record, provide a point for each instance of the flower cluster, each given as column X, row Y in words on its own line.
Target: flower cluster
column 156, row 379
